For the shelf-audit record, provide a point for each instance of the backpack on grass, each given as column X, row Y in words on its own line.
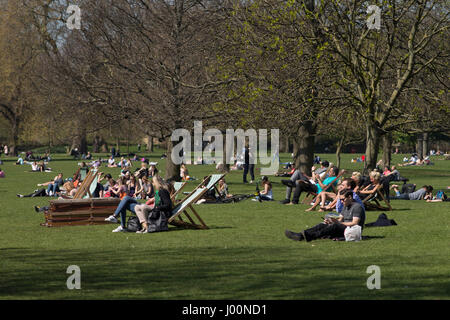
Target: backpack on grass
column 133, row 224
column 440, row 195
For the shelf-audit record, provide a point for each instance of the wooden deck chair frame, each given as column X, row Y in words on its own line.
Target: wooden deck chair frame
column 202, row 184
column 85, row 185
column 309, row 198
column 177, row 220
column 373, row 202
column 173, row 197
column 192, row 198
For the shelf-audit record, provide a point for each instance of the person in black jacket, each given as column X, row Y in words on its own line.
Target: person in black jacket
column 248, row 165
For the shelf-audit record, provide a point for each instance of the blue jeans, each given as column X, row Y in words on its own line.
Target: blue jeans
column 53, row 187
column 402, row 196
column 264, row 197
column 127, row 203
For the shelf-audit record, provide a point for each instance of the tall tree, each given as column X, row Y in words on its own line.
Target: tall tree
column 377, row 65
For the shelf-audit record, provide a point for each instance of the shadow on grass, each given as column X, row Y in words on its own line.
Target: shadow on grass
column 203, row 273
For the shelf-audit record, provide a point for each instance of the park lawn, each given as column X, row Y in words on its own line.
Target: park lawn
column 244, row 254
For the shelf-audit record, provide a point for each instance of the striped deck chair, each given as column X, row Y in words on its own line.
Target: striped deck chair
column 178, row 186
column 176, row 218
column 85, row 186
column 373, row 201
column 92, row 188
column 210, row 182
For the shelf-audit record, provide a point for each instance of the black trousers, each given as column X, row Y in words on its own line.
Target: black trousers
column 37, row 193
column 302, row 186
column 247, row 168
column 322, row 230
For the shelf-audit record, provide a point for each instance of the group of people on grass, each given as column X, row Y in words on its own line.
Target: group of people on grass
column 329, row 189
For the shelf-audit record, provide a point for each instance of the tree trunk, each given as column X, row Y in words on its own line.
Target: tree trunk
column 14, row 137
column 284, row 144
column 172, row 169
column 419, row 146
column 104, row 146
column 150, row 143
column 339, row 147
column 295, row 148
column 304, row 155
column 79, row 140
column 425, row 145
column 96, row 144
column 373, row 138
column 387, row 149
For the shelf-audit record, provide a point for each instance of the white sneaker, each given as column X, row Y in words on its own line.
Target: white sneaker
column 112, row 219
column 119, row 229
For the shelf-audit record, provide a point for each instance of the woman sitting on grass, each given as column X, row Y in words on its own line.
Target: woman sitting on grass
column 119, row 190
column 145, row 190
column 133, row 186
column 223, row 189
column 160, row 203
column 2, row 173
column 54, row 185
column 266, row 194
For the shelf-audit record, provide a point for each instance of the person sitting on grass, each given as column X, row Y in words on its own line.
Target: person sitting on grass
column 296, row 181
column 145, row 190
column 111, row 162
column 347, row 184
column 119, row 190
column 223, row 189
column 152, row 171
column 266, row 194
column 53, row 186
column 35, row 167
column 352, row 214
column 159, row 204
column 372, row 188
column 163, row 205
column 424, row 193
column 142, row 171
column 184, row 173
column 2, row 173
column 324, row 188
column 394, row 175
column 133, row 186
column 19, row 161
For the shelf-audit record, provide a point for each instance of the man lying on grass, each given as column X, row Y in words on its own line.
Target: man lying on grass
column 351, row 215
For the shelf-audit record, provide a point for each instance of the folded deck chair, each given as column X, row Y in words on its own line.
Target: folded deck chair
column 176, row 218
column 178, row 186
column 373, row 201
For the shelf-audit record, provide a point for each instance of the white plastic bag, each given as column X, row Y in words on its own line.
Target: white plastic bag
column 353, row 233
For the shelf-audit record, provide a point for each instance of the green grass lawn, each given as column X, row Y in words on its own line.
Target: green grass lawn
column 244, row 254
